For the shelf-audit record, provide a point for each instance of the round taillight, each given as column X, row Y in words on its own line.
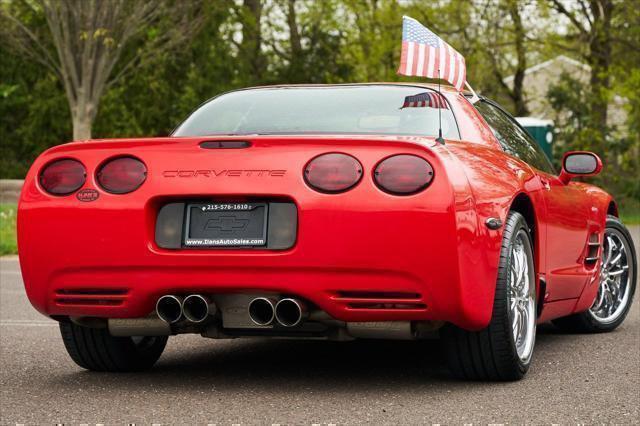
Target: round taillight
column 122, row 175
column 403, row 174
column 63, row 177
column 333, row 172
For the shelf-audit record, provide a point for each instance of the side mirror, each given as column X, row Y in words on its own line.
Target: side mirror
column 579, row 163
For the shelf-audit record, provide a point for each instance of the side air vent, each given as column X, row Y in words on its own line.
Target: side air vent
column 90, row 297
column 593, row 250
column 378, row 300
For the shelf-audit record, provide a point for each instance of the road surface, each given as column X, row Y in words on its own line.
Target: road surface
column 573, row 379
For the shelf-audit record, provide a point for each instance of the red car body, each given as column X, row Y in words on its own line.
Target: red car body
column 361, row 255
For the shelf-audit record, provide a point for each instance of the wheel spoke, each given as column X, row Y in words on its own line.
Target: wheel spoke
column 612, row 299
column 618, row 271
column 516, row 324
column 515, row 267
column 616, row 259
column 597, row 305
column 614, row 288
column 610, row 303
column 521, row 293
column 523, row 323
column 521, row 269
column 525, row 278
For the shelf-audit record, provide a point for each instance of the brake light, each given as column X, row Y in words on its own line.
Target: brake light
column 403, row 174
column 333, row 172
column 63, row 177
column 122, row 175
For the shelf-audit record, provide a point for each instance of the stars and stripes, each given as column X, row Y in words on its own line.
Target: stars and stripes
column 424, row 54
column 426, row 99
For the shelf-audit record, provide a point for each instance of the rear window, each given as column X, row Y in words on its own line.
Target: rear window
column 318, row 110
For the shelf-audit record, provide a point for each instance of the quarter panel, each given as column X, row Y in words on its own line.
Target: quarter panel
column 493, row 180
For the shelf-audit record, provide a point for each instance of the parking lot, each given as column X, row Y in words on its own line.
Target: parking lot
column 574, row 379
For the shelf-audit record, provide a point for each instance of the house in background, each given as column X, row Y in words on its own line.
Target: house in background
column 537, row 81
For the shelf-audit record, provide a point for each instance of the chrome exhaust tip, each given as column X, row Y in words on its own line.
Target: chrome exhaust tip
column 261, row 311
column 169, row 308
column 197, row 308
column 290, row 312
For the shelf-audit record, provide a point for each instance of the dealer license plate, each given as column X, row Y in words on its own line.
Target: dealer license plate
column 226, row 225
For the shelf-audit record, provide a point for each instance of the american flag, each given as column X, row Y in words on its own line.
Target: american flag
column 426, row 99
column 424, row 54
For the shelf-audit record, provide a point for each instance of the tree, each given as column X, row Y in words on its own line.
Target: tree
column 250, row 16
column 591, row 24
column 509, row 37
column 88, row 45
column 306, row 42
column 604, row 34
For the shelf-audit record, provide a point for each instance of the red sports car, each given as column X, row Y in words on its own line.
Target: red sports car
column 330, row 211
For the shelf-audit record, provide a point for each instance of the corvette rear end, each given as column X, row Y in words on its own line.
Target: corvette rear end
column 233, row 219
column 325, row 212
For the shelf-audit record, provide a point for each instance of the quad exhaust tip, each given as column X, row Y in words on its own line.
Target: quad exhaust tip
column 262, row 311
column 290, row 312
column 169, row 308
column 197, row 308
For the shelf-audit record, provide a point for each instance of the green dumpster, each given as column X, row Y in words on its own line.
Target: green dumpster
column 541, row 130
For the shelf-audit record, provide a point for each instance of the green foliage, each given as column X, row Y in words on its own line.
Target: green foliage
column 576, row 131
column 8, row 244
column 33, row 114
column 253, row 42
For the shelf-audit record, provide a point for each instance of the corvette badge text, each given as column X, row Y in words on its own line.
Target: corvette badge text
column 222, row 173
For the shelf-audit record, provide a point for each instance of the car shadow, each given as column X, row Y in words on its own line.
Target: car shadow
column 268, row 365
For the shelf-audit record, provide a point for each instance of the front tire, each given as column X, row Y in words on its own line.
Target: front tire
column 618, row 276
column 503, row 350
column 96, row 350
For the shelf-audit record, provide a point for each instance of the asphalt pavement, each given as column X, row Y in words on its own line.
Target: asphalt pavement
column 573, row 379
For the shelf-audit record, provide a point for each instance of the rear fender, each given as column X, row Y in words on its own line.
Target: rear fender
column 488, row 188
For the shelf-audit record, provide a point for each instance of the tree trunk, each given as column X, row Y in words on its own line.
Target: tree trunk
column 251, row 45
column 296, row 59
column 517, row 94
column 83, row 112
column 600, row 60
column 87, row 38
column 81, row 127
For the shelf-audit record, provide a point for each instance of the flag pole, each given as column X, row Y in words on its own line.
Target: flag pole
column 439, row 139
column 475, row 98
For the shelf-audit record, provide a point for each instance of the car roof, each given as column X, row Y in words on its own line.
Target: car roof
column 445, row 88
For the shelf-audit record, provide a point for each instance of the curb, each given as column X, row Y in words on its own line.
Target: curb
column 10, row 190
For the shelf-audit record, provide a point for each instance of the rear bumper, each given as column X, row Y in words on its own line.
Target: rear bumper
column 360, row 256
column 384, row 278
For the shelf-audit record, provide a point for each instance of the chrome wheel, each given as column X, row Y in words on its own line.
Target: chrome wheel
column 615, row 278
column 522, row 297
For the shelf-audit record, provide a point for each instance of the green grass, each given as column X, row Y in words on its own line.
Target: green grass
column 8, row 244
column 630, row 218
column 630, row 212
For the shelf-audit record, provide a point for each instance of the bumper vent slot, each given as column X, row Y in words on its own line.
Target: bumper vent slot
column 380, row 300
column 90, row 297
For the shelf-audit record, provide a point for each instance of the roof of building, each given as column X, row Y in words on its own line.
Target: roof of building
column 550, row 62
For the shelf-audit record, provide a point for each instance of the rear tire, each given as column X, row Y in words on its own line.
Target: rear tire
column 96, row 350
column 598, row 319
column 495, row 353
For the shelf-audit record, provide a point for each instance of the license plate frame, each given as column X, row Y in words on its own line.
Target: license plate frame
column 230, row 225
